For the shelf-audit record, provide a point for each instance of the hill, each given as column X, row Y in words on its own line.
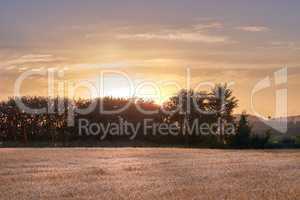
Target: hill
column 261, row 126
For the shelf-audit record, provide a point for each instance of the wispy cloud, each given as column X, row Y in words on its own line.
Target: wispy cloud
column 209, row 25
column 198, row 32
column 177, row 36
column 84, row 66
column 253, row 28
column 32, row 58
column 194, row 34
column 283, row 44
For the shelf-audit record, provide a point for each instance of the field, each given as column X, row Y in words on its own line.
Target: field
column 129, row 173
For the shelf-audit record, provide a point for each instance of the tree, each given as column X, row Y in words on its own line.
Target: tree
column 222, row 104
column 212, row 107
column 242, row 138
column 183, row 109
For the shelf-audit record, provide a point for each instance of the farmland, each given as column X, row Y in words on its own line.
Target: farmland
column 149, row 173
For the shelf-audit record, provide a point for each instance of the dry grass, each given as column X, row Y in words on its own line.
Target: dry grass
column 129, row 173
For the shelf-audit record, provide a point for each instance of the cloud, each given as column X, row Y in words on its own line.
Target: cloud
column 194, row 33
column 183, row 36
column 92, row 35
column 253, row 28
column 32, row 58
column 283, row 44
column 210, row 25
column 101, row 65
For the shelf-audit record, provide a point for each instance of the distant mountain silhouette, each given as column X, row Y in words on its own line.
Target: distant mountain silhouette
column 259, row 127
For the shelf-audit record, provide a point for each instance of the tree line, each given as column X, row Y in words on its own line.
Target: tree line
column 51, row 128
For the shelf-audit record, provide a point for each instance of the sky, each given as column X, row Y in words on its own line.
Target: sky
column 235, row 41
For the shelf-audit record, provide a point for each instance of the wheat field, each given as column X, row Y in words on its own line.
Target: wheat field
column 148, row 173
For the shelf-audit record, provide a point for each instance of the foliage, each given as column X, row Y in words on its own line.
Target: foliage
column 260, row 141
column 243, row 134
column 51, row 128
